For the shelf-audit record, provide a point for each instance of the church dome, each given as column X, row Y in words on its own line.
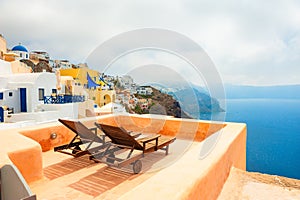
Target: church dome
column 19, row 48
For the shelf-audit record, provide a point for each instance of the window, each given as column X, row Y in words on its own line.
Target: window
column 10, row 94
column 41, row 94
column 21, row 55
column 1, row 95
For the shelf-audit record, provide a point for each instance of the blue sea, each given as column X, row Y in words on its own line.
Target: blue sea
column 273, row 134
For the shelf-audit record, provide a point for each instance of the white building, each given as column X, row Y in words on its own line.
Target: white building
column 21, row 51
column 125, row 81
column 144, row 90
column 60, row 64
column 39, row 55
column 110, row 108
column 25, row 92
column 5, row 68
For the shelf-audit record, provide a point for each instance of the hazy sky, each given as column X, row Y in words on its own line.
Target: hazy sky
column 251, row 42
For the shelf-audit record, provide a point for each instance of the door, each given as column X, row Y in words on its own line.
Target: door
column 1, row 114
column 23, row 100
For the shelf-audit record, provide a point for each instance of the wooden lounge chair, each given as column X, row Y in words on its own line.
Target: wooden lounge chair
column 120, row 137
column 83, row 135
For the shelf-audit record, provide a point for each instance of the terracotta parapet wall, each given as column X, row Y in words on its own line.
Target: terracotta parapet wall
column 181, row 128
column 29, row 162
column 24, row 153
column 210, row 186
column 194, row 178
column 188, row 178
column 24, row 146
column 42, row 135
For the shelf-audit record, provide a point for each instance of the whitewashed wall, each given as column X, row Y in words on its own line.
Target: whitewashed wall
column 5, row 68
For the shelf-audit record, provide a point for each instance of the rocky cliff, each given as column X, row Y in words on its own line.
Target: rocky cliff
column 161, row 103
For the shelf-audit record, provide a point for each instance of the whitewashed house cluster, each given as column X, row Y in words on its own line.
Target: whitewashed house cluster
column 125, row 81
column 144, row 90
column 25, row 92
column 27, row 97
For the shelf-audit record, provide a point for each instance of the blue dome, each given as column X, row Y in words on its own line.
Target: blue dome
column 19, row 48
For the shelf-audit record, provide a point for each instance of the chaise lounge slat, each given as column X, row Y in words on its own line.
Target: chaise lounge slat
column 121, row 138
column 83, row 136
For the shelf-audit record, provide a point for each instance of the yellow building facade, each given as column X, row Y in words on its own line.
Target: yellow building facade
column 105, row 97
column 80, row 75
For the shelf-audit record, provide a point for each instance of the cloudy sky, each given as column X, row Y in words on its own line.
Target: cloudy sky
column 250, row 42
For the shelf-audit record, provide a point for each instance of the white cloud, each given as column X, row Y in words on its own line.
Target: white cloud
column 252, row 42
column 136, row 64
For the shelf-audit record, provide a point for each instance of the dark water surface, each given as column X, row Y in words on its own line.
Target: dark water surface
column 273, row 134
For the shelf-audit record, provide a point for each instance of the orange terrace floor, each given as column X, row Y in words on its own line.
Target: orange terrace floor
column 183, row 174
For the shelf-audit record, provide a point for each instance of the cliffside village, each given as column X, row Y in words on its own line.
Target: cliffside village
column 35, row 88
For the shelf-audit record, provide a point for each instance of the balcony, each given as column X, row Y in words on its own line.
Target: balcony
column 62, row 99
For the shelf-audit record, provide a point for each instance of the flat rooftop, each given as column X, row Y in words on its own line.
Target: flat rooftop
column 185, row 173
column 66, row 177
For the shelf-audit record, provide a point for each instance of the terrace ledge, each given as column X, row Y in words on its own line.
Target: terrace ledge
column 188, row 178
